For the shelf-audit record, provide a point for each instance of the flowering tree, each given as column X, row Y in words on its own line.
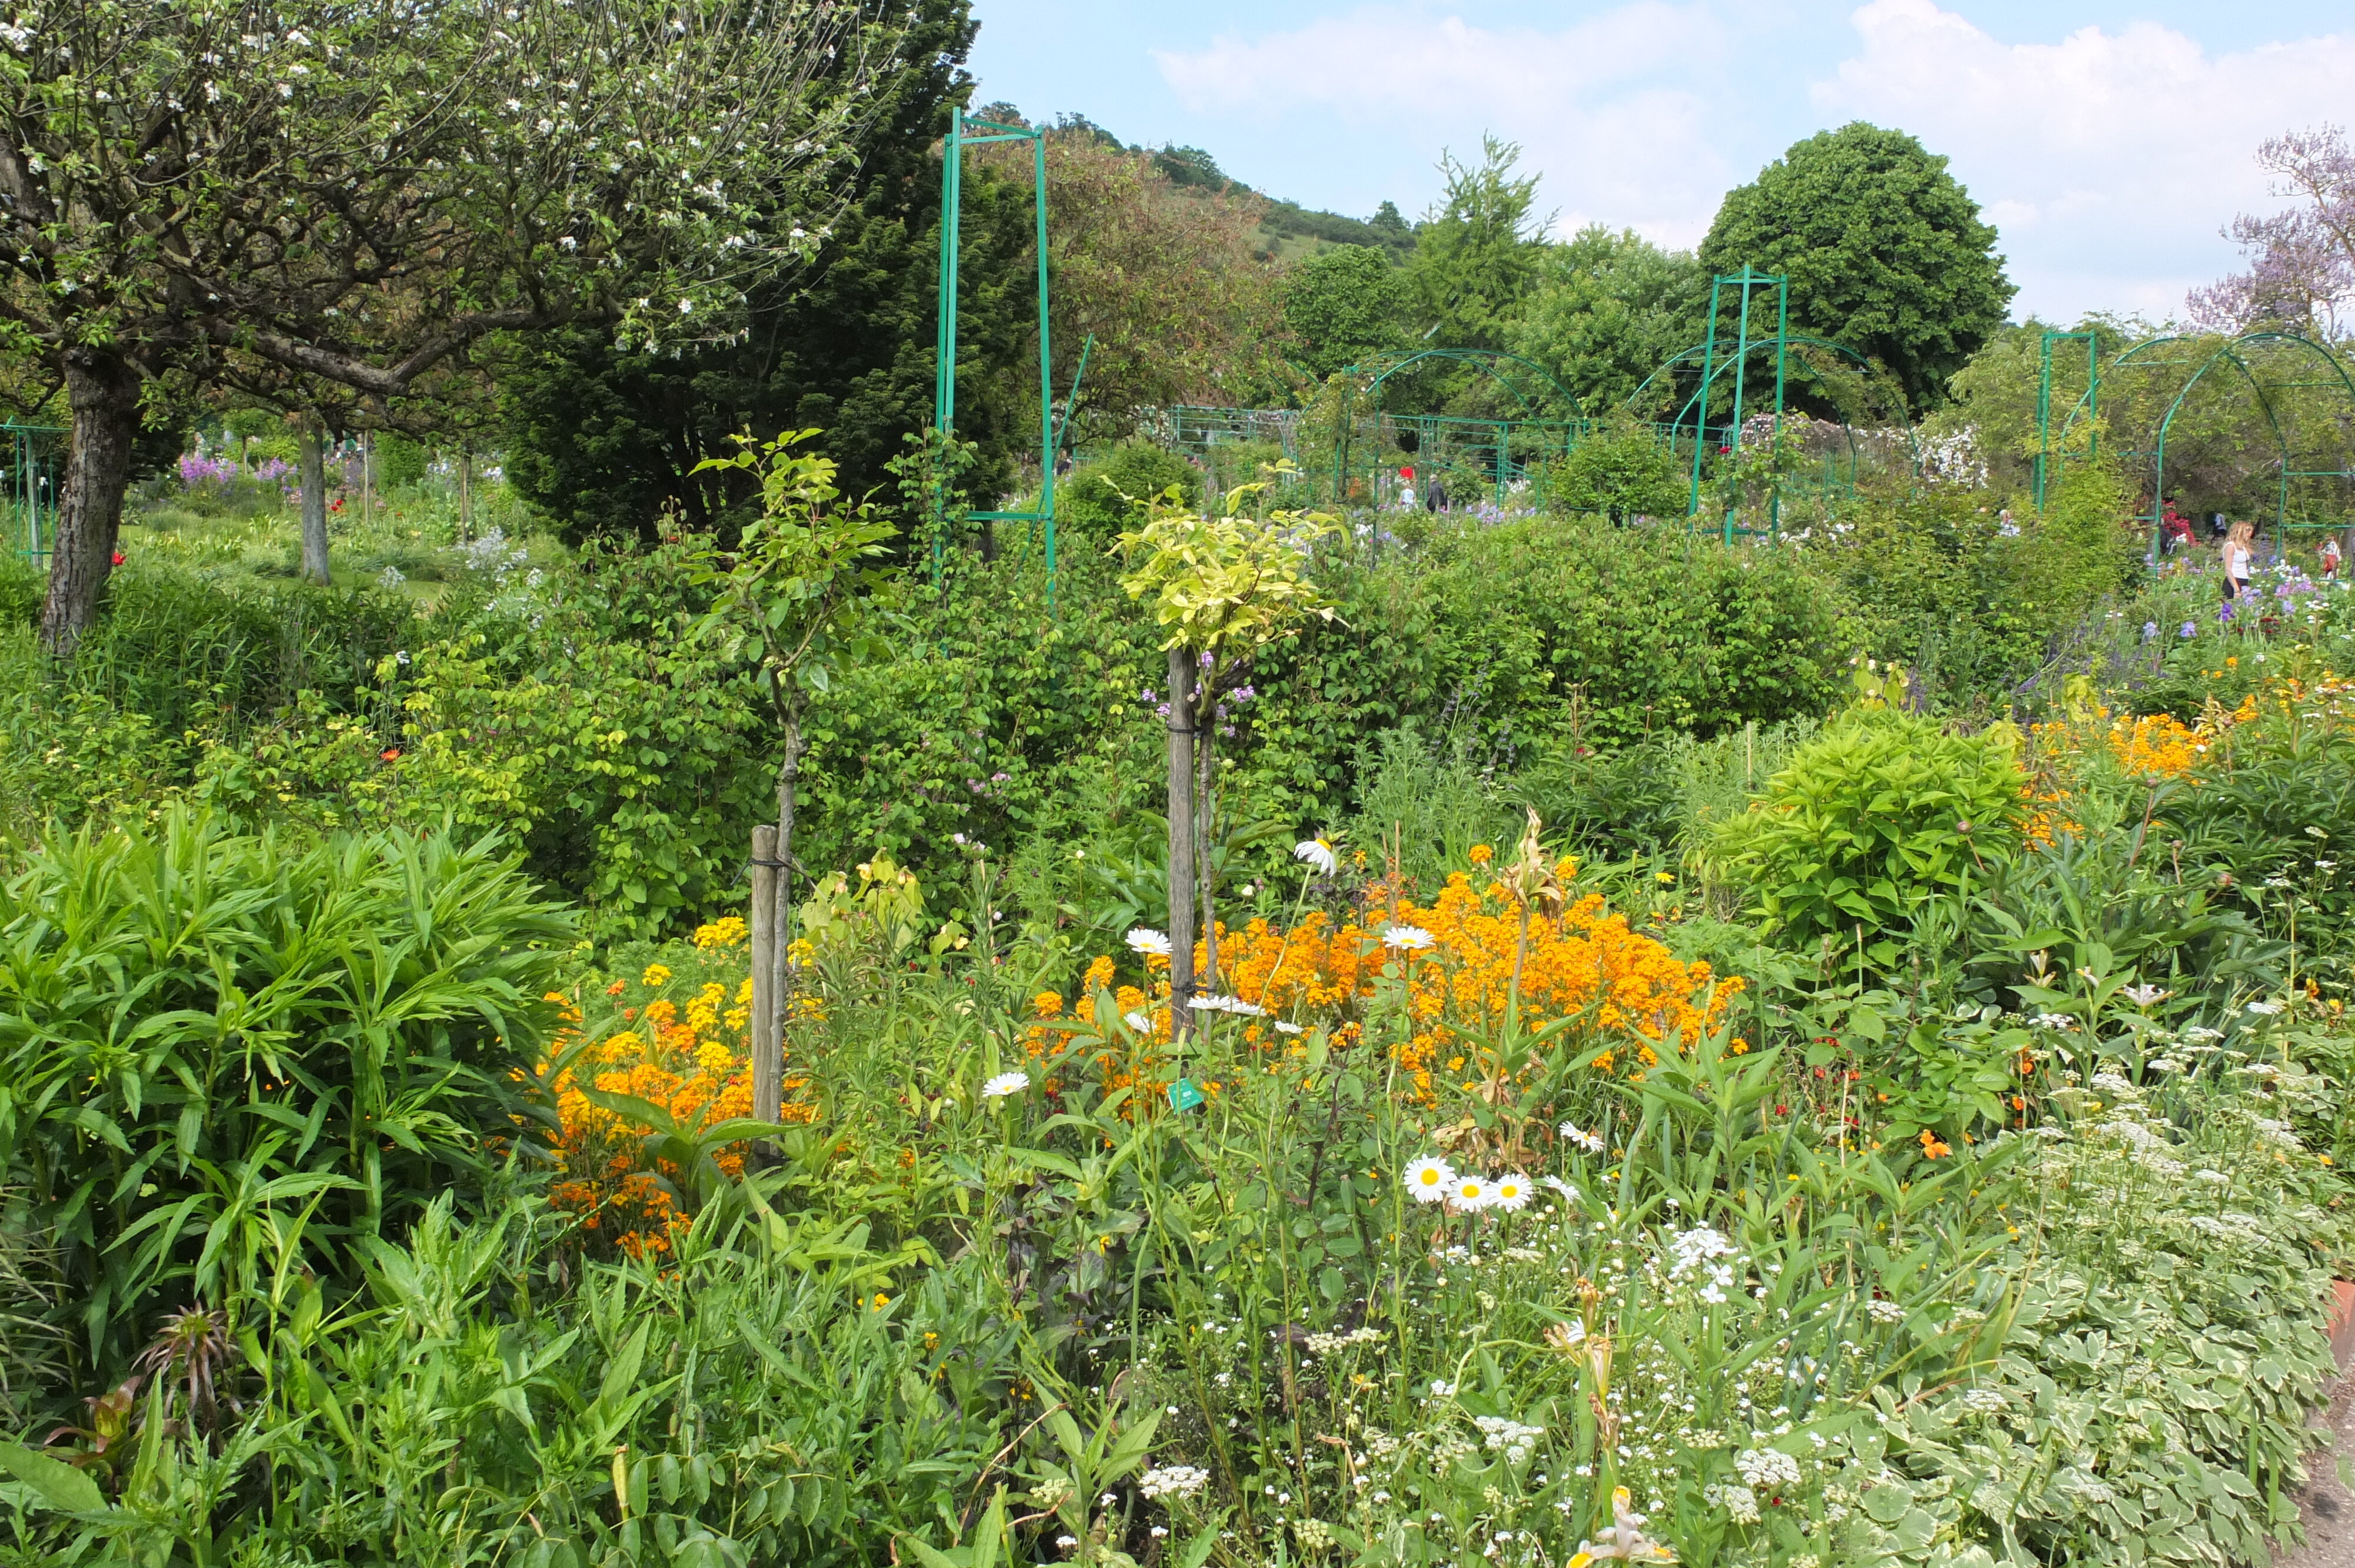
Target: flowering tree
column 1223, row 588
column 2301, row 262
column 354, row 193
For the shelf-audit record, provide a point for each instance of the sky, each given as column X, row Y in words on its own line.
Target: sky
column 2108, row 141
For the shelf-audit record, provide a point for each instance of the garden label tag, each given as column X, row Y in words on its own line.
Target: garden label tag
column 1184, row 1095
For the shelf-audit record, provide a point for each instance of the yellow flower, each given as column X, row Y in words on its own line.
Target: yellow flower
column 728, row 931
column 655, row 975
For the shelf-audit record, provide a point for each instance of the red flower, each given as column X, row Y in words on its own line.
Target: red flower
column 338, row 504
column 118, row 557
column 387, row 754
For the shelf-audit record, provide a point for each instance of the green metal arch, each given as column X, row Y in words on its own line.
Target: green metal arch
column 1698, row 349
column 2230, row 351
column 1382, row 366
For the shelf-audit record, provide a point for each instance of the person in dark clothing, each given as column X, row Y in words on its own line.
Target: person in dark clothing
column 1436, row 497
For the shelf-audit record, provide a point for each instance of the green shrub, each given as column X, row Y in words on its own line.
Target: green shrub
column 1624, row 471
column 1097, row 497
column 399, row 462
column 1880, row 812
column 218, row 1051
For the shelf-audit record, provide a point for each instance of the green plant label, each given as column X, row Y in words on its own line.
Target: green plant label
column 1184, row 1095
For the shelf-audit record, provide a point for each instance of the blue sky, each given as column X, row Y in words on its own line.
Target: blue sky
column 2108, row 141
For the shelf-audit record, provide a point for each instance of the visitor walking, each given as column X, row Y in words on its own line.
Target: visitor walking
column 2330, row 557
column 2236, row 559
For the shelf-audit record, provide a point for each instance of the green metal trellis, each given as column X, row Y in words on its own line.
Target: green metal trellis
column 29, row 485
column 1051, row 436
column 1519, row 376
column 2089, row 405
column 2236, row 352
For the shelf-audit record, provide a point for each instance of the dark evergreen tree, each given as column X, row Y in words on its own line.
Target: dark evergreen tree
column 607, row 441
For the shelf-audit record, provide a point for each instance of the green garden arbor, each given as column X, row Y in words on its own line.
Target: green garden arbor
column 1499, row 445
column 2273, row 367
column 29, row 485
column 1720, row 358
column 944, row 359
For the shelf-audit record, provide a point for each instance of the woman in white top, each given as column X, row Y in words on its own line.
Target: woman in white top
column 2236, row 559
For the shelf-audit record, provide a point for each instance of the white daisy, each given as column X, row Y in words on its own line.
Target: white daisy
column 1005, row 1084
column 1509, row 1192
column 1138, row 1021
column 1472, row 1192
column 1318, row 853
column 1407, row 939
column 1590, row 1141
column 2264, row 1008
column 1284, row 1026
column 1430, row 1180
column 1152, row 943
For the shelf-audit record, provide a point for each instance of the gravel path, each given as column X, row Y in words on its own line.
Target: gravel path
column 2328, row 1507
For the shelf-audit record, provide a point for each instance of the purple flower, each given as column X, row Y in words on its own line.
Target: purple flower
column 1244, row 694
column 1146, row 695
column 2223, row 613
column 2149, row 629
column 2189, row 629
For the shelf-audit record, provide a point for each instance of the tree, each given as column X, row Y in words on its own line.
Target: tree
column 353, row 193
column 805, row 595
column 1162, row 276
column 608, row 439
column 1476, row 255
column 1607, row 310
column 2302, row 262
column 1885, row 251
column 1223, row 588
column 1345, row 306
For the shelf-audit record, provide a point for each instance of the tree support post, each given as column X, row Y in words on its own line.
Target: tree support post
column 768, row 1061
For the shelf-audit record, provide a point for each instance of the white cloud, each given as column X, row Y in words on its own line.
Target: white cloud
column 1607, row 108
column 2109, row 161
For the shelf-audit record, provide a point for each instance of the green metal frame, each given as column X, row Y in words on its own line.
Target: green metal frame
column 1745, row 281
column 2089, row 405
column 1719, row 356
column 1515, row 374
column 2232, row 351
column 29, row 483
column 945, row 356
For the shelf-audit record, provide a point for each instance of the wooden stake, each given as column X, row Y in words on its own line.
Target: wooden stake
column 768, row 1063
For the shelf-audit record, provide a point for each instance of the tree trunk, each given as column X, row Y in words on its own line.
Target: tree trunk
column 314, row 506
column 465, row 493
column 103, row 391
column 781, row 974
column 1182, row 675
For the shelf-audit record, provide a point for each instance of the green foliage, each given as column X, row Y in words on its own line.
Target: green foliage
column 400, row 460
column 1101, row 496
column 1885, row 251
column 604, row 440
column 1624, row 471
column 1605, row 312
column 227, row 1059
column 1478, row 253
column 1345, row 306
column 1881, row 812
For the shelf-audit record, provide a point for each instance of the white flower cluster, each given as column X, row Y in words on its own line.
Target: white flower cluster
column 1766, row 1468
column 1515, row 1441
column 1233, row 1004
column 1883, row 1311
column 2053, row 1020
column 1173, row 1481
column 1984, row 1401
column 1739, row 1501
column 1325, row 1344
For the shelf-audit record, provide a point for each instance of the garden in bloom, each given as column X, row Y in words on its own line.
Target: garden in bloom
column 1397, row 935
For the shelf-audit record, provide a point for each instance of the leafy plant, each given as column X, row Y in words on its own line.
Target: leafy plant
column 1880, row 812
column 227, row 1060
